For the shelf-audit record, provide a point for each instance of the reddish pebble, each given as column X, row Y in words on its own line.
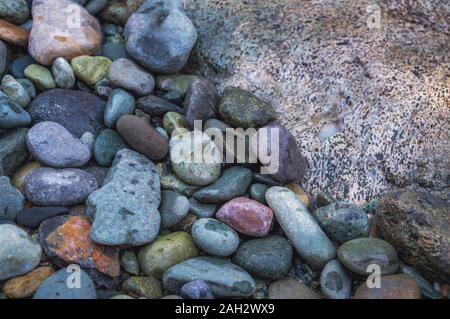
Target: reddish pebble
column 246, row 216
column 142, row 137
column 13, row 34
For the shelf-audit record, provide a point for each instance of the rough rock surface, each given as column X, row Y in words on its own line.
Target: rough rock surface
column 417, row 224
column 381, row 89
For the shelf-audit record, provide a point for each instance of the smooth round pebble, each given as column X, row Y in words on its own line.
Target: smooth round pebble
column 197, row 289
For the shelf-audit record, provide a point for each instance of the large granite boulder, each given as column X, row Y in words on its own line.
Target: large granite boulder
column 362, row 85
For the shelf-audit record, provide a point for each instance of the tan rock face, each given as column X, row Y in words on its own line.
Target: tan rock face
column 366, row 101
column 25, row 286
column 62, row 28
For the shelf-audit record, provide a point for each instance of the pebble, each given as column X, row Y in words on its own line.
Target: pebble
column 28, row 86
column 392, row 287
column 15, row 91
column 14, row 11
column 57, row 106
column 11, row 199
column 335, row 282
column 201, row 103
column 90, row 69
column 325, row 199
column 156, row 106
column 175, row 82
column 95, row 6
column 197, row 289
column 63, row 74
column 246, row 216
column 224, row 278
column 426, row 288
column 214, row 237
column 130, row 263
column 52, row 36
column 106, row 146
column 174, row 207
column 300, row 227
column 52, row 145
column 147, row 287
column 125, row 208
column 289, row 288
column 19, row 253
column 241, row 109
column 128, row 75
column 120, row 103
column 55, row 286
column 269, row 257
column 418, row 225
column 40, row 76
column 118, row 12
column 233, row 183
column 103, row 88
column 301, row 194
column 286, row 163
column 99, row 173
column 19, row 65
column 165, row 252
column 173, row 183
column 343, row 221
column 13, row 150
column 59, row 187
column 160, row 27
column 88, row 139
column 66, row 240
column 202, row 210
column 14, row 34
column 114, row 51
column 4, row 58
column 34, row 216
column 25, row 286
column 357, row 254
column 198, row 172
column 258, row 192
column 12, row 114
column 18, row 179
column 174, row 123
column 142, row 137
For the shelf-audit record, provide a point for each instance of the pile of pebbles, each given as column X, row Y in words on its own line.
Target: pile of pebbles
column 91, row 182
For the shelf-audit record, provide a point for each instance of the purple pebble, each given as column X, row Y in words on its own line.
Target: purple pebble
column 197, row 289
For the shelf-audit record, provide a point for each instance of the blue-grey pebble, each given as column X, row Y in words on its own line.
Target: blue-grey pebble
column 28, row 86
column 95, row 6
column 335, row 282
column 64, row 285
column 12, row 114
column 120, row 103
column 11, row 199
column 114, row 51
column 202, row 210
column 13, row 150
column 63, row 74
column 197, row 289
column 174, row 207
column 214, row 237
column 15, row 91
column 106, row 146
column 19, row 65
column 258, row 192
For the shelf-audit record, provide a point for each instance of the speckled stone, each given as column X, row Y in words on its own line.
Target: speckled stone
column 174, row 207
column 52, row 145
column 15, row 91
column 51, row 36
column 418, row 225
column 59, row 187
column 379, row 139
column 165, row 252
column 392, row 287
column 300, row 227
column 125, row 209
column 156, row 106
column 214, row 237
column 335, row 282
column 357, row 254
column 289, row 288
column 126, row 74
column 200, row 172
column 19, row 253
column 11, row 199
column 63, row 73
column 120, row 102
column 246, row 216
column 106, row 146
column 234, row 182
column 224, row 278
column 343, row 221
column 240, row 108
column 269, row 257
